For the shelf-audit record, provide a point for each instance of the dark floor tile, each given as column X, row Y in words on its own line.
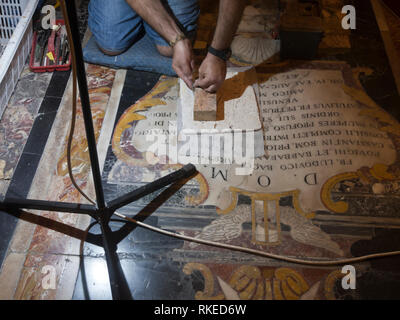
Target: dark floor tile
column 57, row 84
column 137, row 84
column 140, row 79
column 40, row 133
column 50, row 104
column 7, row 227
column 19, row 188
column 23, row 176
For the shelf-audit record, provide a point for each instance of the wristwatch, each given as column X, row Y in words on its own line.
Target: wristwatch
column 222, row 54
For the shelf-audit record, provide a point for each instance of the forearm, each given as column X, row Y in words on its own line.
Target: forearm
column 230, row 13
column 154, row 13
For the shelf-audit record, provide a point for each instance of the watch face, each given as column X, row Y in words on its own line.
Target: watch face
column 226, row 54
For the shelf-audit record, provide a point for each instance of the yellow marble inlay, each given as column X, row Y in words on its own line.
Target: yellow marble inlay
column 250, row 283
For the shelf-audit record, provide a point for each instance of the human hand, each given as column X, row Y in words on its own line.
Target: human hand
column 212, row 73
column 183, row 61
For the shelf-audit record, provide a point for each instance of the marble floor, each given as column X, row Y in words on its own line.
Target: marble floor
column 41, row 252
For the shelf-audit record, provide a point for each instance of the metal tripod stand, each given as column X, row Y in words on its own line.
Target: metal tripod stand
column 102, row 211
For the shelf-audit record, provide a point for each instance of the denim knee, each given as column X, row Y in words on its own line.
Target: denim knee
column 114, row 24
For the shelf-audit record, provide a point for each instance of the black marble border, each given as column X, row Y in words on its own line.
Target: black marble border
column 29, row 160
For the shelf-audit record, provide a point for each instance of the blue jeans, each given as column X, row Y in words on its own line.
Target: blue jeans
column 116, row 26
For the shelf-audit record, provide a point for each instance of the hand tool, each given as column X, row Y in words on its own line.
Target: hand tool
column 50, row 47
column 57, row 46
column 38, row 47
column 43, row 45
column 66, row 53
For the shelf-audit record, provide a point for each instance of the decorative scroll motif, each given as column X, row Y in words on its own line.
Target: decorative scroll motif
column 330, row 283
column 379, row 175
column 128, row 154
column 254, row 283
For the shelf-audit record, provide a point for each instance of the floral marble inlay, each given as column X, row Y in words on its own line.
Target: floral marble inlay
column 18, row 118
column 49, row 247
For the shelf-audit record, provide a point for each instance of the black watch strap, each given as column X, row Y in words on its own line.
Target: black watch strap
column 222, row 54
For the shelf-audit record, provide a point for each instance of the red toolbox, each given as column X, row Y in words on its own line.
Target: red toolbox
column 52, row 51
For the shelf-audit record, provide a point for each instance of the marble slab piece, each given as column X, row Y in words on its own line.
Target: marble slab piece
column 205, row 105
column 238, row 98
column 238, row 113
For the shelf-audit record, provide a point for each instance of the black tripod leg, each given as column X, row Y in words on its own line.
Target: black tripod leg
column 181, row 174
column 84, row 93
column 119, row 286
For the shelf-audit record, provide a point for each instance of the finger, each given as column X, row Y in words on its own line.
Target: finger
column 182, row 69
column 187, row 70
column 186, row 79
column 211, row 89
column 183, row 72
column 189, row 82
column 204, row 82
column 196, row 82
column 195, row 71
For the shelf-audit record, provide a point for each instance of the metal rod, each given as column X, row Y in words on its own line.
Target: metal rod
column 185, row 172
column 85, row 101
column 111, row 265
column 119, row 287
column 47, row 206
